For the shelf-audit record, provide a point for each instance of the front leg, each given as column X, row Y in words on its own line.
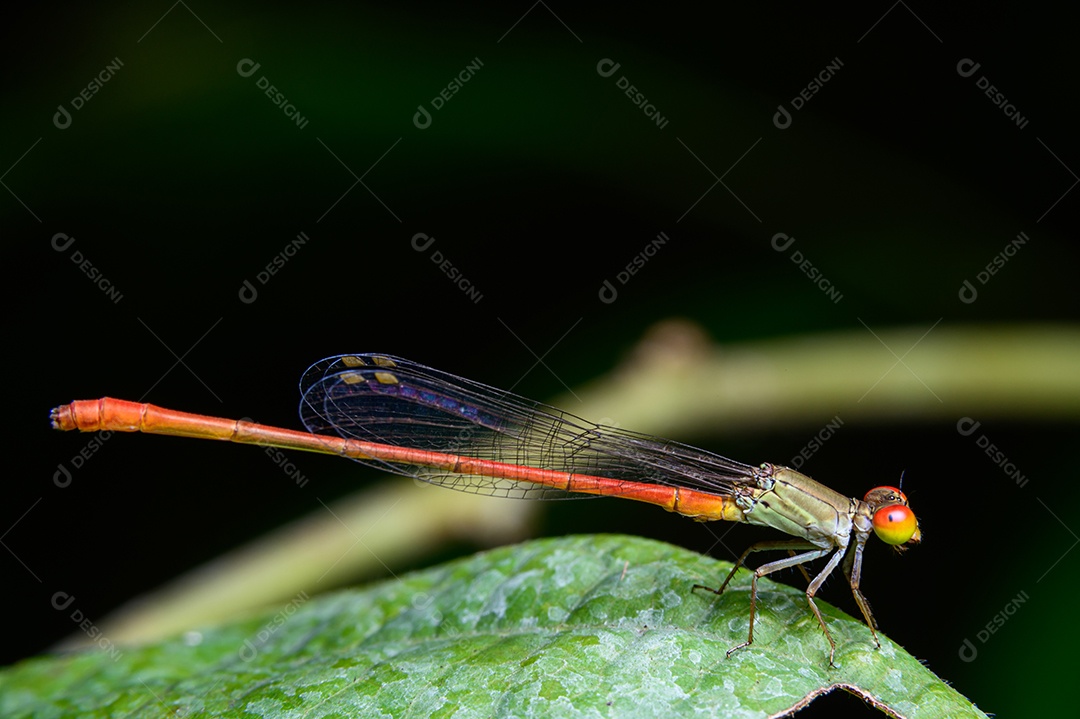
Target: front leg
column 854, row 574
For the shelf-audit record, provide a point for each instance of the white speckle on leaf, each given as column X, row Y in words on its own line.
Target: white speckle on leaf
column 895, row 679
column 557, row 614
column 771, row 688
column 648, row 618
column 671, row 599
column 497, row 600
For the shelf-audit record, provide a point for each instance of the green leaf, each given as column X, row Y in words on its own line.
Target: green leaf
column 593, row 625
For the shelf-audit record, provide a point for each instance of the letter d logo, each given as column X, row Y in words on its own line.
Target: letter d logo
column 62, row 118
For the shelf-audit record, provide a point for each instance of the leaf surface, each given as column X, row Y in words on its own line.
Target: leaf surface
column 596, row 625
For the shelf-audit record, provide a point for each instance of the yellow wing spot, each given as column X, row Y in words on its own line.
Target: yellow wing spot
column 384, row 362
column 386, row 377
column 351, row 377
column 350, row 361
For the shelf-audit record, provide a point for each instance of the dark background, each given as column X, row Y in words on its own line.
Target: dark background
column 179, row 180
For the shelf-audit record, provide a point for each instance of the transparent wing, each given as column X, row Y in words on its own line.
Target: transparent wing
column 385, row 399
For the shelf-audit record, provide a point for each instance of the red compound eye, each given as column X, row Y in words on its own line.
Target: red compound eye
column 895, row 524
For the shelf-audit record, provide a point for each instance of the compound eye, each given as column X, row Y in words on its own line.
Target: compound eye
column 895, row 524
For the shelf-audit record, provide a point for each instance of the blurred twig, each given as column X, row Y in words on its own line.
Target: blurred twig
column 677, row 384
